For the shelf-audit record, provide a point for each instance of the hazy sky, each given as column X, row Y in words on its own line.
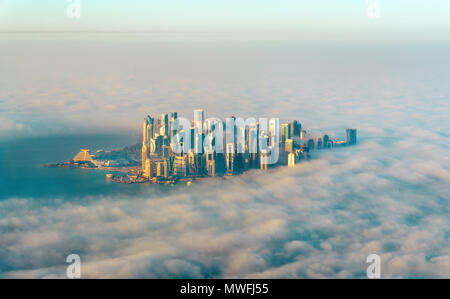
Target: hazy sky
column 230, row 15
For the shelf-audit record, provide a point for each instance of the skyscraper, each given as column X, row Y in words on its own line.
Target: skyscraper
column 264, row 159
column 147, row 169
column 350, row 137
column 253, row 139
column 326, row 138
column 291, row 160
column 159, row 169
column 145, row 145
column 230, row 130
column 199, row 116
column 295, row 128
column 241, row 138
column 289, row 146
column 164, row 130
column 198, row 131
column 302, row 134
column 150, row 127
column 152, row 146
column 159, row 142
column 145, row 155
column 180, row 166
column 211, row 164
column 274, row 131
column 319, row 143
column 144, row 131
column 230, row 158
column 173, row 123
column 285, row 132
column 264, row 141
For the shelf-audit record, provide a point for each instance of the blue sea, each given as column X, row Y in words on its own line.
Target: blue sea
column 22, row 174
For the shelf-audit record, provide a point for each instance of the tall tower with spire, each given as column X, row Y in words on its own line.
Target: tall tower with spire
column 147, row 137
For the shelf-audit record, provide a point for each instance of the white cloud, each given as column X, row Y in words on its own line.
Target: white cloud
column 388, row 195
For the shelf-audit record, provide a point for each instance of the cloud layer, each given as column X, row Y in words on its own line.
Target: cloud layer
column 388, row 195
column 321, row 219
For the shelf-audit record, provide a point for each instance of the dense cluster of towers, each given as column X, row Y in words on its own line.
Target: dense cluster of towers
column 236, row 149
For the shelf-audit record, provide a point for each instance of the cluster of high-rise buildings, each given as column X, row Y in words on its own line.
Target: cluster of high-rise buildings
column 177, row 148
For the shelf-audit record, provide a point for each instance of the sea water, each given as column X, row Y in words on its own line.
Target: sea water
column 22, row 174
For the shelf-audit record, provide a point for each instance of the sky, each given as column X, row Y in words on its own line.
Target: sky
column 233, row 15
column 56, row 85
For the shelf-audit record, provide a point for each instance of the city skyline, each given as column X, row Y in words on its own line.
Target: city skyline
column 174, row 148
